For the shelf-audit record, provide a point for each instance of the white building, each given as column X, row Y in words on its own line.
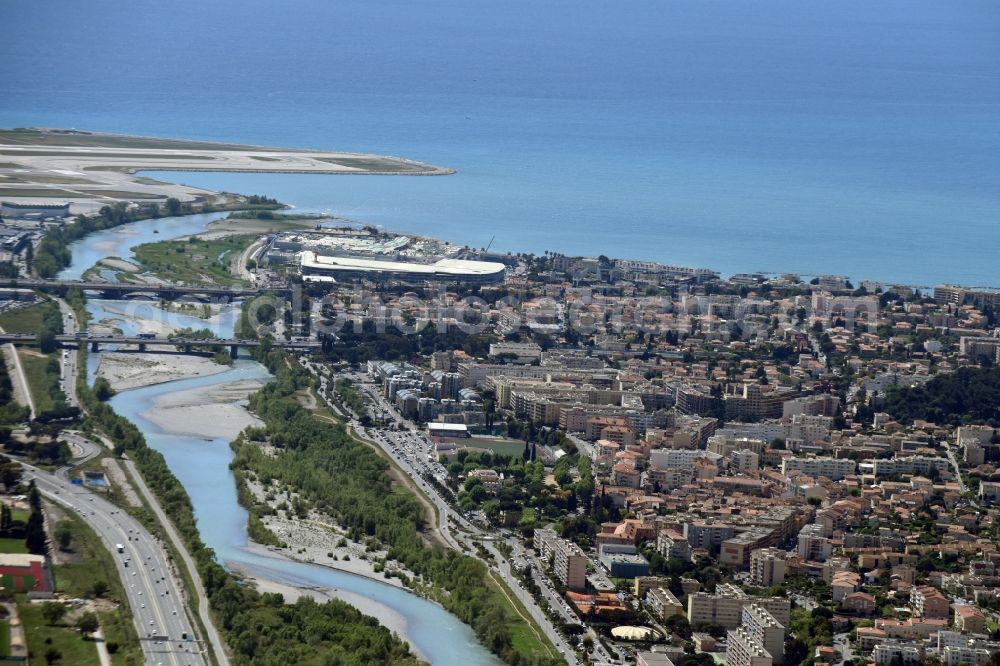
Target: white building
column 834, row 469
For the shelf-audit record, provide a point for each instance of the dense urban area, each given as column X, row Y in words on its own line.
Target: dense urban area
column 587, row 460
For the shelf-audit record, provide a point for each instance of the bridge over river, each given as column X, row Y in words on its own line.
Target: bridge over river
column 169, row 345
column 112, row 290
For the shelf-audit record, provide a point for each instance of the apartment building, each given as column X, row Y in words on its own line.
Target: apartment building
column 969, row 619
column 664, row 603
column 743, row 649
column 707, row 535
column 521, row 352
column 898, row 653
column 834, row 469
column 726, row 445
column 928, row 602
column 736, row 550
column 910, row 465
column 679, row 458
column 743, row 461
column 979, row 346
column 673, row 544
column 569, row 563
column 767, row 567
column 813, row 545
column 968, row 655
column 668, row 479
column 765, row 630
column 725, row 607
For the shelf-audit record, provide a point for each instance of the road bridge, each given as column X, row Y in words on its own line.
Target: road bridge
column 112, row 290
column 179, row 345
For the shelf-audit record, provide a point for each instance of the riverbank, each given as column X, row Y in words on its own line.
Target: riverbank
column 316, row 539
column 211, row 412
column 387, row 617
column 127, row 370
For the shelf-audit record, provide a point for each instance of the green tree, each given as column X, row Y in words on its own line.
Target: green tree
column 53, row 611
column 99, row 588
column 64, row 536
column 88, row 623
column 103, row 390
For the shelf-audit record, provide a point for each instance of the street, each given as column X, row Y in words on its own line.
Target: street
column 413, row 452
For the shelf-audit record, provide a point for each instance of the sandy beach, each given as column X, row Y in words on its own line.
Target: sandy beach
column 210, row 412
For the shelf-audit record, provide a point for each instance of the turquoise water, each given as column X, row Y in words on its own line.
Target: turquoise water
column 119, row 241
column 849, row 137
column 202, row 464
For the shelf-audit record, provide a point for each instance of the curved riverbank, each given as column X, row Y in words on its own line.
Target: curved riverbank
column 200, row 458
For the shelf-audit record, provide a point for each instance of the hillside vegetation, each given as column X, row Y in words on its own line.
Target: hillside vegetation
column 969, row 395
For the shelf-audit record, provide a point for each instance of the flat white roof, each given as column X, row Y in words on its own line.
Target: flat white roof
column 20, row 559
column 440, row 267
column 457, row 427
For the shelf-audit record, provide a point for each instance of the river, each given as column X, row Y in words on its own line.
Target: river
column 202, row 463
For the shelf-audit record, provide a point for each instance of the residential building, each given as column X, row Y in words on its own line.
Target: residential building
column 767, row 567
column 969, row 619
column 898, row 653
column 736, row 550
column 743, row 649
column 569, row 563
column 725, row 607
column 673, row 544
column 765, row 630
column 859, row 603
column 707, row 535
column 928, row 602
column 664, row 603
column 812, row 545
column 834, row 469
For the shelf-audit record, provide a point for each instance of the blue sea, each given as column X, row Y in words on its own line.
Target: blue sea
column 849, row 137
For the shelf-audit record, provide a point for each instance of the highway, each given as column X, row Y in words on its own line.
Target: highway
column 69, row 356
column 151, row 586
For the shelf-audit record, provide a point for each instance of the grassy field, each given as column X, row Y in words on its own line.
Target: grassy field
column 12, row 546
column 43, row 384
column 41, row 192
column 48, row 179
column 525, row 635
column 121, row 194
column 25, row 320
column 508, row 447
column 95, row 562
column 4, row 638
column 199, row 262
column 41, row 637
